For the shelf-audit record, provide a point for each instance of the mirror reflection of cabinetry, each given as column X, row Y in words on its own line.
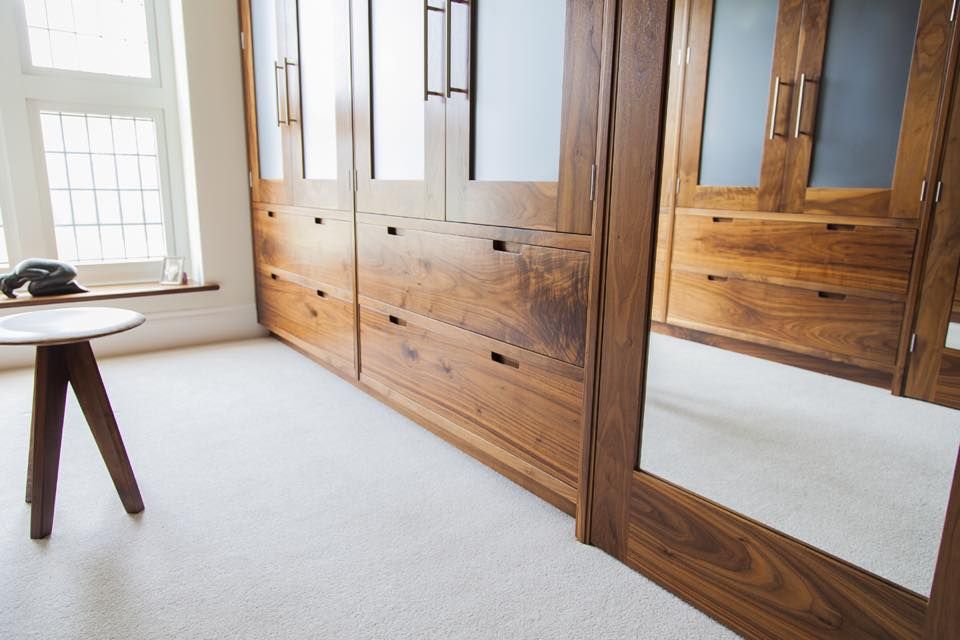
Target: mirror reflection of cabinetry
column 795, row 159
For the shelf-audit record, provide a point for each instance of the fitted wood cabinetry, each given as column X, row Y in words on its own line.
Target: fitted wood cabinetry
column 796, row 163
column 423, row 201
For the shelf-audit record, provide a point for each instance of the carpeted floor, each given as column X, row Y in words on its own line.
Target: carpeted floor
column 847, row 467
column 284, row 503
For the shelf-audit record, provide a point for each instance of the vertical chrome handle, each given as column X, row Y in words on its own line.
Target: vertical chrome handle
column 775, row 108
column 803, row 86
column 286, row 88
column 277, row 67
column 426, row 50
column 450, row 88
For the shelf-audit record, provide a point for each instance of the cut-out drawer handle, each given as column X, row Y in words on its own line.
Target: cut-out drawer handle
column 841, row 227
column 829, row 295
column 271, row 214
column 502, row 359
column 717, row 278
column 274, row 276
column 507, row 247
column 321, row 293
column 397, row 321
column 717, row 219
column 318, row 221
column 394, row 231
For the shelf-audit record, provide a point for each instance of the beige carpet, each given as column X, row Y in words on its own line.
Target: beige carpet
column 284, row 503
column 844, row 466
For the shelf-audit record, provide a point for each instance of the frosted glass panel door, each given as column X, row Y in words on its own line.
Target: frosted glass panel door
column 737, row 94
column 522, row 87
column 518, row 90
column 865, row 105
column 319, row 33
column 267, row 98
column 398, row 47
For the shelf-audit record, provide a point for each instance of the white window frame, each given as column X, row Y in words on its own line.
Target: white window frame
column 40, row 89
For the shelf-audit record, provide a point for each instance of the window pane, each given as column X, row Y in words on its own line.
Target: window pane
column 96, row 36
column 105, row 191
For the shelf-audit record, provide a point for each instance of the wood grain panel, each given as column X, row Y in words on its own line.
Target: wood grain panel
column 943, row 614
column 872, row 377
column 533, row 297
column 838, row 256
column 317, row 248
column 322, row 324
column 761, row 582
column 661, row 271
column 846, row 328
column 948, row 382
column 500, row 392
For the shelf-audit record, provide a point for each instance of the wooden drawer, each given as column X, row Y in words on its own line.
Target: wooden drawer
column 314, row 319
column 525, row 403
column 846, row 328
column 317, row 248
column 853, row 258
column 530, row 296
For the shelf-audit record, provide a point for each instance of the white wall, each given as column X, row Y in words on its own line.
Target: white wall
column 217, row 193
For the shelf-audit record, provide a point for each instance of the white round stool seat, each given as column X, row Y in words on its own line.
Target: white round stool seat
column 63, row 326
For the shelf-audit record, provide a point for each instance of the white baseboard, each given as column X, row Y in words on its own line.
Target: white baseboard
column 163, row 330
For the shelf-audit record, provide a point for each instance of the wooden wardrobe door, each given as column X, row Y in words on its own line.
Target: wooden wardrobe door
column 868, row 79
column 263, row 24
column 523, row 81
column 398, row 106
column 741, row 60
column 934, row 368
column 318, row 64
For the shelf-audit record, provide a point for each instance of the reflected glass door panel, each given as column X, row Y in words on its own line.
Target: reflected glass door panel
column 320, row 33
column 266, row 53
column 862, row 92
column 397, row 58
column 738, row 84
column 518, row 90
column 953, row 328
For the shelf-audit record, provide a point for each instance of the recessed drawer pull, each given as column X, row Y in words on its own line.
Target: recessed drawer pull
column 841, row 227
column 271, row 214
column 397, row 321
column 274, row 276
column 723, row 219
column 318, row 221
column 394, row 231
column 502, row 359
column 717, row 278
column 829, row 295
column 506, row 247
column 321, row 294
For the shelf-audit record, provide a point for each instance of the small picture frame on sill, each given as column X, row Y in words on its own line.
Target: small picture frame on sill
column 172, row 271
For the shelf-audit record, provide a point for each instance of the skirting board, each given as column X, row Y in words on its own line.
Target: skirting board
column 163, row 330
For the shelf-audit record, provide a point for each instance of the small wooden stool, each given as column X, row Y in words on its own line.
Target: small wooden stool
column 62, row 337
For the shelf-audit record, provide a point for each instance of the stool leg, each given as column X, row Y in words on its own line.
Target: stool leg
column 88, row 387
column 49, row 398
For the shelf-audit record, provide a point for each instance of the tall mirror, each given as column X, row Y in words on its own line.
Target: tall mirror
column 776, row 331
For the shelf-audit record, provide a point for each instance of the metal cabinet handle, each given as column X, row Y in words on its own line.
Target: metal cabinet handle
column 426, row 51
column 450, row 88
column 803, row 86
column 775, row 108
column 287, row 62
column 277, row 67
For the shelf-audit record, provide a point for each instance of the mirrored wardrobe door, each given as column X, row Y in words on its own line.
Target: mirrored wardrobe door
column 868, row 81
column 398, row 106
column 266, row 87
column 320, row 121
column 740, row 64
column 522, row 92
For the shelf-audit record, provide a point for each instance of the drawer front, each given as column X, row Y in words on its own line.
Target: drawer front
column 530, row 296
column 817, row 323
column 853, row 257
column 528, row 404
column 324, row 323
column 316, row 248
